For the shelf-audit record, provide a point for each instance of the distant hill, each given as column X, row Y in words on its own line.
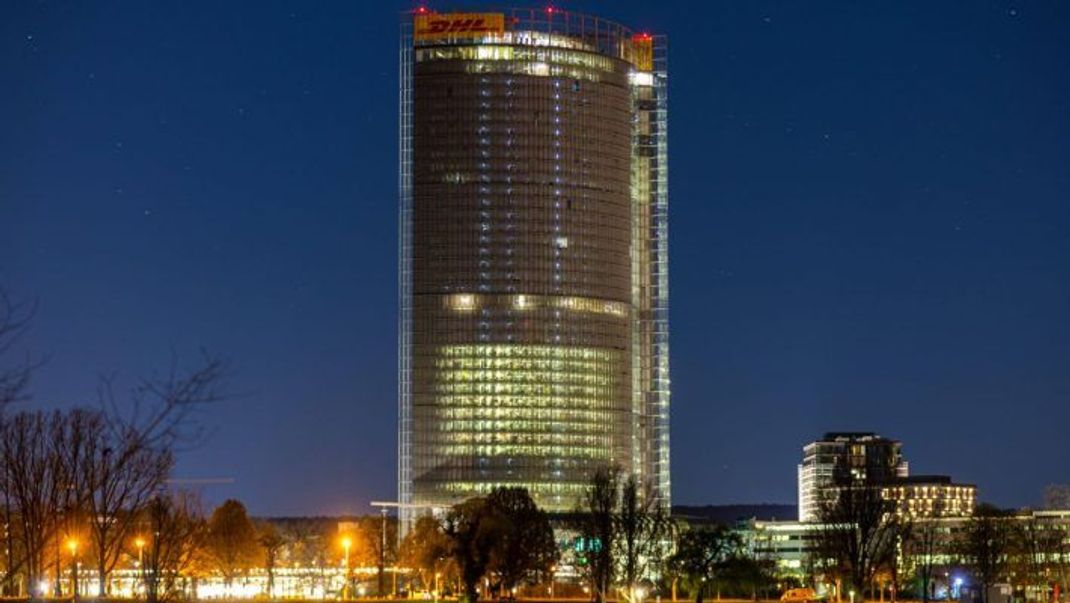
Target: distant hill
column 734, row 513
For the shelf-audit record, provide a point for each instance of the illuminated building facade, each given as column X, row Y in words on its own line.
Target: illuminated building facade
column 849, row 459
column 931, row 496
column 533, row 273
column 842, row 459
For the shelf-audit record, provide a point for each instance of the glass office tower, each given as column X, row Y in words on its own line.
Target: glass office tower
column 533, row 270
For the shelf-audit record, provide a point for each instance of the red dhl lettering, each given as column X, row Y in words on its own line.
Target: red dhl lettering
column 432, row 26
column 443, row 26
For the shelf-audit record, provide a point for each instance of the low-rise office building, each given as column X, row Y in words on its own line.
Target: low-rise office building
column 791, row 546
column 931, row 496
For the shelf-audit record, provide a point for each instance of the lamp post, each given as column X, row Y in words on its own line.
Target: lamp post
column 72, row 546
column 346, row 543
column 139, row 542
column 382, row 554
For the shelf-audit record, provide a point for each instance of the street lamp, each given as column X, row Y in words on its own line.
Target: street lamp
column 346, row 543
column 72, row 546
column 139, row 542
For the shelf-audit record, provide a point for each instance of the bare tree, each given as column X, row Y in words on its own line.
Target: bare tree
column 178, row 532
column 36, row 483
column 922, row 548
column 132, row 457
column 14, row 381
column 857, row 534
column 1036, row 544
column 312, row 545
column 983, row 547
column 41, row 455
column 595, row 523
column 63, row 472
column 95, row 469
column 643, row 531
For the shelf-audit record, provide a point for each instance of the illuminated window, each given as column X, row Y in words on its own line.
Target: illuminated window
column 462, row 302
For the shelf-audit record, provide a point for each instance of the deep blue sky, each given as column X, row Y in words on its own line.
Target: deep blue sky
column 870, row 230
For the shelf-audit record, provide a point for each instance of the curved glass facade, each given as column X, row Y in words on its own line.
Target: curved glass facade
column 533, row 344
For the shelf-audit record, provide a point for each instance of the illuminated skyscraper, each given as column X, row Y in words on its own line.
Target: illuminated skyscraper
column 533, row 273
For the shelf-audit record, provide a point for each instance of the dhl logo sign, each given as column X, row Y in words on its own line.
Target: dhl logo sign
column 457, row 25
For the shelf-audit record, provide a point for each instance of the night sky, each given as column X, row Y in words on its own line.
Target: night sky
column 870, row 230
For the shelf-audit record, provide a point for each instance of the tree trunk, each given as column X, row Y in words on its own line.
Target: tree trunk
column 102, row 582
column 9, row 540
column 471, row 592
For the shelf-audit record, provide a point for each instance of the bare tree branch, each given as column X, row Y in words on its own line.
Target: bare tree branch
column 14, row 319
column 134, row 455
column 163, row 410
